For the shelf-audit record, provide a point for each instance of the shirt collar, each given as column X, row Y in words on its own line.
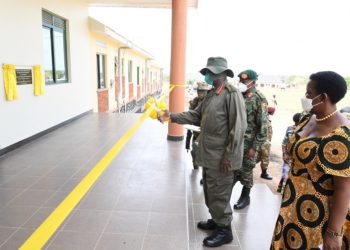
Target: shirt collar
column 220, row 89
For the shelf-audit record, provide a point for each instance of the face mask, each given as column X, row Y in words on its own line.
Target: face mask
column 243, row 87
column 208, row 80
column 306, row 103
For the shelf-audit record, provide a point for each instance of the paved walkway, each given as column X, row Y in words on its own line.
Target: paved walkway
column 148, row 198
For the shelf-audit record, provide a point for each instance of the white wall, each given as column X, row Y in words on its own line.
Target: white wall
column 21, row 44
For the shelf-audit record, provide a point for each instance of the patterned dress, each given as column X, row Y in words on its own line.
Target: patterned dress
column 309, row 189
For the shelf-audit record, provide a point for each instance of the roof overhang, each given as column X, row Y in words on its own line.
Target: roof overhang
column 138, row 3
column 100, row 28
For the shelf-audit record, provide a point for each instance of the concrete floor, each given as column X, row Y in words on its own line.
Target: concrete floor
column 148, row 198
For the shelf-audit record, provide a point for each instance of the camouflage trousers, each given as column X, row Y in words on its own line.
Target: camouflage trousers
column 245, row 174
column 264, row 155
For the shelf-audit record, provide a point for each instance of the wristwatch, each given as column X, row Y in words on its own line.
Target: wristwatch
column 334, row 233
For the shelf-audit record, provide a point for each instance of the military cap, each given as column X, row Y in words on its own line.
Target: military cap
column 248, row 75
column 217, row 65
column 202, row 86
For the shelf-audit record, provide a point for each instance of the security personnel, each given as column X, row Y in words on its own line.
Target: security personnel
column 255, row 135
column 264, row 154
column 223, row 121
column 202, row 89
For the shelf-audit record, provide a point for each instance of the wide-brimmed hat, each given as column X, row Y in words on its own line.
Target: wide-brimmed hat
column 202, row 86
column 217, row 65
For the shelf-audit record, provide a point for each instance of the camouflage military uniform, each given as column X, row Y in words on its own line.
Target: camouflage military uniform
column 255, row 135
column 264, row 153
column 193, row 105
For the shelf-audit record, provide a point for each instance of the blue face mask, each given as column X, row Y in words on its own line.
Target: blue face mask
column 208, row 80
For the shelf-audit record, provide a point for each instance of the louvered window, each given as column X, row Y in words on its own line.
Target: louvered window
column 55, row 48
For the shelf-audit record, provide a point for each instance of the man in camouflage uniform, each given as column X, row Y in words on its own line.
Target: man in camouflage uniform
column 255, row 135
column 264, row 154
column 223, row 121
column 202, row 89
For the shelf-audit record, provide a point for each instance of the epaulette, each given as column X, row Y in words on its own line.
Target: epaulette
column 262, row 97
column 230, row 88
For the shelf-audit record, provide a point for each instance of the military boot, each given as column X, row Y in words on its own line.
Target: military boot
column 207, row 225
column 244, row 200
column 221, row 235
column 265, row 175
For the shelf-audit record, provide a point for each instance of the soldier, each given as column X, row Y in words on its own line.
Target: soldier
column 222, row 119
column 255, row 135
column 202, row 89
column 264, row 154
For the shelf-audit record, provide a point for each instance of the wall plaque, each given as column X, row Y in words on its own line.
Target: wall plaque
column 24, row 76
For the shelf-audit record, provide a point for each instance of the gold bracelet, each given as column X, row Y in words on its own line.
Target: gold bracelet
column 334, row 233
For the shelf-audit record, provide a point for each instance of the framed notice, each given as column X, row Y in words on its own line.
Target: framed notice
column 24, row 76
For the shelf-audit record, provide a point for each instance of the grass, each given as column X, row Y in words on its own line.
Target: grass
column 289, row 99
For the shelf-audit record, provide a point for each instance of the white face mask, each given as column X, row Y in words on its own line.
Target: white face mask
column 243, row 87
column 306, row 103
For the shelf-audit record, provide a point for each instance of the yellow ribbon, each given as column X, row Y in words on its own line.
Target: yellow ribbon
column 38, row 81
column 10, row 82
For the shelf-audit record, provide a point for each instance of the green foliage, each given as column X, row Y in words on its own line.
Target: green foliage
column 190, row 82
column 347, row 79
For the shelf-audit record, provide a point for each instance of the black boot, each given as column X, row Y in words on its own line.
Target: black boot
column 265, row 175
column 244, row 200
column 280, row 186
column 221, row 235
column 207, row 225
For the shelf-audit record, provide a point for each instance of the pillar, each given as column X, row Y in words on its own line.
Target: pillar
column 177, row 65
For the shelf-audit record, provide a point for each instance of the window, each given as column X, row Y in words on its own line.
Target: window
column 138, row 75
column 101, row 71
column 130, row 71
column 55, row 48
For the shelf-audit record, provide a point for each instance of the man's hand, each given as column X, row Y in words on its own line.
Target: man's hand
column 164, row 117
column 286, row 157
column 250, row 154
column 225, row 165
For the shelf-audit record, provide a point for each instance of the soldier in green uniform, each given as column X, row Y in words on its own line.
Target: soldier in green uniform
column 202, row 89
column 264, row 154
column 223, row 121
column 255, row 135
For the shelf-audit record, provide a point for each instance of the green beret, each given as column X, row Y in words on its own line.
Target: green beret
column 248, row 75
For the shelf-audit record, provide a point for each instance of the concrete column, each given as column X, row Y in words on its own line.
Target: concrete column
column 177, row 65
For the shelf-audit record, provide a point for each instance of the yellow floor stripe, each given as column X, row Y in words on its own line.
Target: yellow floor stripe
column 44, row 232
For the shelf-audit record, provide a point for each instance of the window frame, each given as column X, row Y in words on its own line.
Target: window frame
column 130, row 71
column 52, row 28
column 98, row 70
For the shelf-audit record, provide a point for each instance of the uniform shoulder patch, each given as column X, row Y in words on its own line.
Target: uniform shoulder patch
column 230, row 88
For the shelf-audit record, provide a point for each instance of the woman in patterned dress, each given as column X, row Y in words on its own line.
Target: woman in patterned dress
column 315, row 210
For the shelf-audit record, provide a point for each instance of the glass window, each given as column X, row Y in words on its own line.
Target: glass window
column 138, row 75
column 55, row 48
column 101, row 71
column 130, row 71
column 48, row 71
